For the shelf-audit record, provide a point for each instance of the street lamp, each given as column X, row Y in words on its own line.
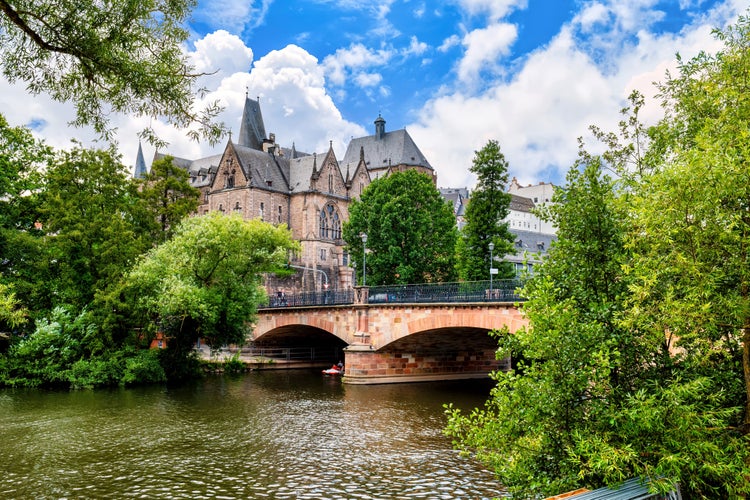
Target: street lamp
column 364, row 258
column 492, row 247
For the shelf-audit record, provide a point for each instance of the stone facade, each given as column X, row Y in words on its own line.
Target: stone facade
column 310, row 193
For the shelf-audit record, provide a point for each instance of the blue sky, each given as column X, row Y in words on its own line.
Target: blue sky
column 532, row 74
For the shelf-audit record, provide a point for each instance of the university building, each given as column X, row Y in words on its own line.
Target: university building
column 310, row 193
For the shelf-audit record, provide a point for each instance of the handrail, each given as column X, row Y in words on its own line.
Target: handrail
column 464, row 291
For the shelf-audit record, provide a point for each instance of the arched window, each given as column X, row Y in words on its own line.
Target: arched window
column 330, row 223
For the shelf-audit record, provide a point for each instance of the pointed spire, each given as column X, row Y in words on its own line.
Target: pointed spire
column 252, row 129
column 294, row 152
column 140, row 164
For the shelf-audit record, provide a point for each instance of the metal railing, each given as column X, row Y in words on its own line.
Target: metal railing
column 292, row 353
column 467, row 291
column 324, row 298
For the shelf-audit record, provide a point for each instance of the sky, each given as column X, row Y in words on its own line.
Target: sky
column 530, row 74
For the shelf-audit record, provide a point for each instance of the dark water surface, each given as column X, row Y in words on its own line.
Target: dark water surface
column 295, row 435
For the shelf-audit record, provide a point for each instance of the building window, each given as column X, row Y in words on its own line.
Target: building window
column 262, row 210
column 345, row 258
column 221, row 208
column 330, row 182
column 330, row 223
column 322, row 254
column 280, row 214
column 237, row 207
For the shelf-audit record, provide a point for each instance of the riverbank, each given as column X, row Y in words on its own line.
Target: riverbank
column 218, row 361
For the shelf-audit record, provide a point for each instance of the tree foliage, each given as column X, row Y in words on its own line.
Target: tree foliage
column 168, row 196
column 411, row 231
column 119, row 56
column 206, row 281
column 93, row 220
column 488, row 206
column 22, row 160
column 636, row 360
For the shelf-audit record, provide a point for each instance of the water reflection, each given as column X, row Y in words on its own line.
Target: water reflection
column 266, row 435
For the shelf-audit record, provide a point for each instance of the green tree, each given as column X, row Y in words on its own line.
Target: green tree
column 411, row 231
column 636, row 360
column 488, row 207
column 567, row 361
column 168, row 196
column 23, row 262
column 121, row 56
column 92, row 221
column 206, row 282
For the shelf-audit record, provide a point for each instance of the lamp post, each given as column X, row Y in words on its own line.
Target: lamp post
column 364, row 258
column 492, row 247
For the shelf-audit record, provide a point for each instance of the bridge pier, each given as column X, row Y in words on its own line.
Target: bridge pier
column 364, row 365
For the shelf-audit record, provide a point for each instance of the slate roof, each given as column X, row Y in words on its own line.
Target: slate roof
column 263, row 168
column 521, row 203
column 532, row 241
column 252, row 129
column 140, row 164
column 392, row 148
column 300, row 172
column 201, row 170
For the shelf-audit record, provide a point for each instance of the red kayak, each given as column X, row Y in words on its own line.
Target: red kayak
column 333, row 371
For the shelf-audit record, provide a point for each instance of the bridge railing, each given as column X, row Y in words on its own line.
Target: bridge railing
column 323, row 298
column 466, row 291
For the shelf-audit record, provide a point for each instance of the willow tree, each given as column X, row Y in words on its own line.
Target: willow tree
column 119, row 56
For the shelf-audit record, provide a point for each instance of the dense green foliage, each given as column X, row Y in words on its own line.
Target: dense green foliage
column 168, row 196
column 636, row 362
column 119, row 56
column 411, row 231
column 205, row 282
column 488, row 207
column 94, row 223
column 77, row 305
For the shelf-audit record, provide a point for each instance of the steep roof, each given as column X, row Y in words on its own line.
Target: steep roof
column 140, row 164
column 252, row 129
column 385, row 148
column 265, row 170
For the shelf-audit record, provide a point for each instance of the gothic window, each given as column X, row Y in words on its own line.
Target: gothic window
column 262, row 209
column 280, row 214
column 330, row 223
column 323, row 224
column 237, row 207
column 330, row 182
column 322, row 254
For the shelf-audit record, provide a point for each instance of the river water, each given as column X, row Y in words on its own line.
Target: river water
column 282, row 434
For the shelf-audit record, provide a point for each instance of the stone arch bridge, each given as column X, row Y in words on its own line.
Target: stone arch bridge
column 386, row 342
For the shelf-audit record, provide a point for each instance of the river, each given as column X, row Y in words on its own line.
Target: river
column 281, row 434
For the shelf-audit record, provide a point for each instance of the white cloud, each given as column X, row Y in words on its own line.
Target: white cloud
column 450, row 42
column 484, row 47
column 220, row 54
column 353, row 60
column 557, row 92
column 415, row 47
column 495, row 9
column 232, row 15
